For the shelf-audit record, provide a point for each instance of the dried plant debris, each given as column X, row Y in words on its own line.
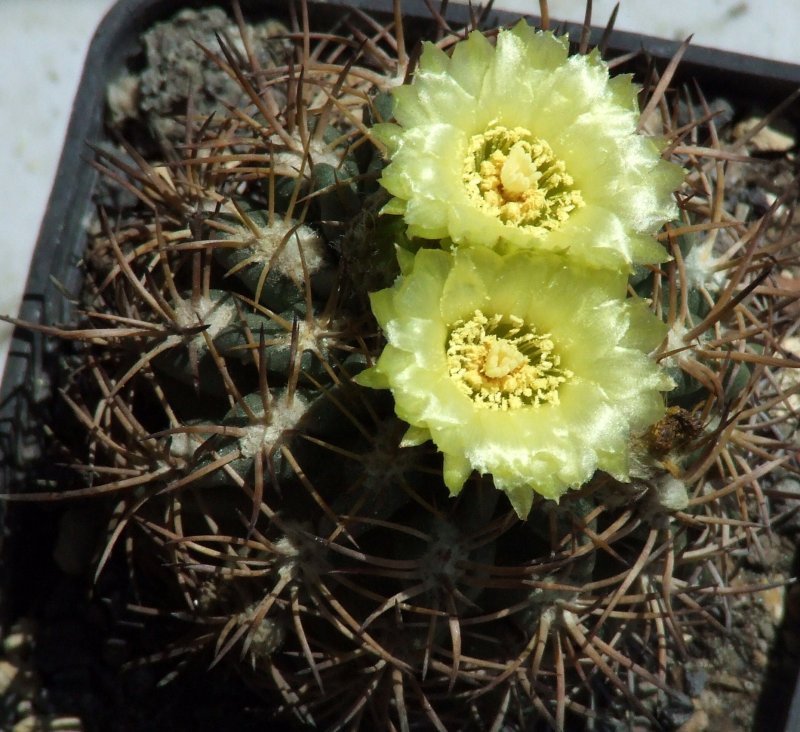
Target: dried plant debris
column 178, row 72
column 263, row 513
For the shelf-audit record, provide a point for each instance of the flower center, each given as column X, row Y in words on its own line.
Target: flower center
column 502, row 363
column 516, row 177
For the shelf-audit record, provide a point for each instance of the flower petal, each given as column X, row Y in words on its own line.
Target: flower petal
column 607, row 386
column 597, row 194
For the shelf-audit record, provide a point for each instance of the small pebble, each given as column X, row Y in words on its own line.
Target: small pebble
column 732, row 683
column 766, row 629
column 15, row 643
column 645, row 688
column 773, row 600
column 36, row 723
column 698, row 722
column 8, row 674
column 767, row 139
column 696, row 680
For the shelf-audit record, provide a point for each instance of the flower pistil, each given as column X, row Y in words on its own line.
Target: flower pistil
column 502, row 363
column 517, row 177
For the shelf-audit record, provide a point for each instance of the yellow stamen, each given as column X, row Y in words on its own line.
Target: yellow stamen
column 503, row 363
column 517, row 177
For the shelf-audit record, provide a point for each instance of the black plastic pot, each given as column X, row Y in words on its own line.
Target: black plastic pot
column 26, row 392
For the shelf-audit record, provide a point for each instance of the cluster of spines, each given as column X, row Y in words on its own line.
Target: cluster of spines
column 298, row 535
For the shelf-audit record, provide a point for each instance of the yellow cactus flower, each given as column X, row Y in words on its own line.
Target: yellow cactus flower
column 519, row 366
column 521, row 146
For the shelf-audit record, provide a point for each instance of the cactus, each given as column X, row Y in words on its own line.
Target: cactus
column 301, row 537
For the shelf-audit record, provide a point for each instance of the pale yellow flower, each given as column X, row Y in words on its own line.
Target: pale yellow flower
column 521, row 146
column 518, row 366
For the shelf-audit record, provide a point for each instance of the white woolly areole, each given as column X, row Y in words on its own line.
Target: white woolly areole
column 675, row 342
column 285, row 547
column 283, row 416
column 671, row 494
column 268, row 247
column 183, row 445
column 308, row 337
column 212, row 313
column 311, row 336
column 700, row 265
column 265, row 636
column 292, row 160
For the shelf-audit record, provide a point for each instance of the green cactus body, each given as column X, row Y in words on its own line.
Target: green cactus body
column 422, row 569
